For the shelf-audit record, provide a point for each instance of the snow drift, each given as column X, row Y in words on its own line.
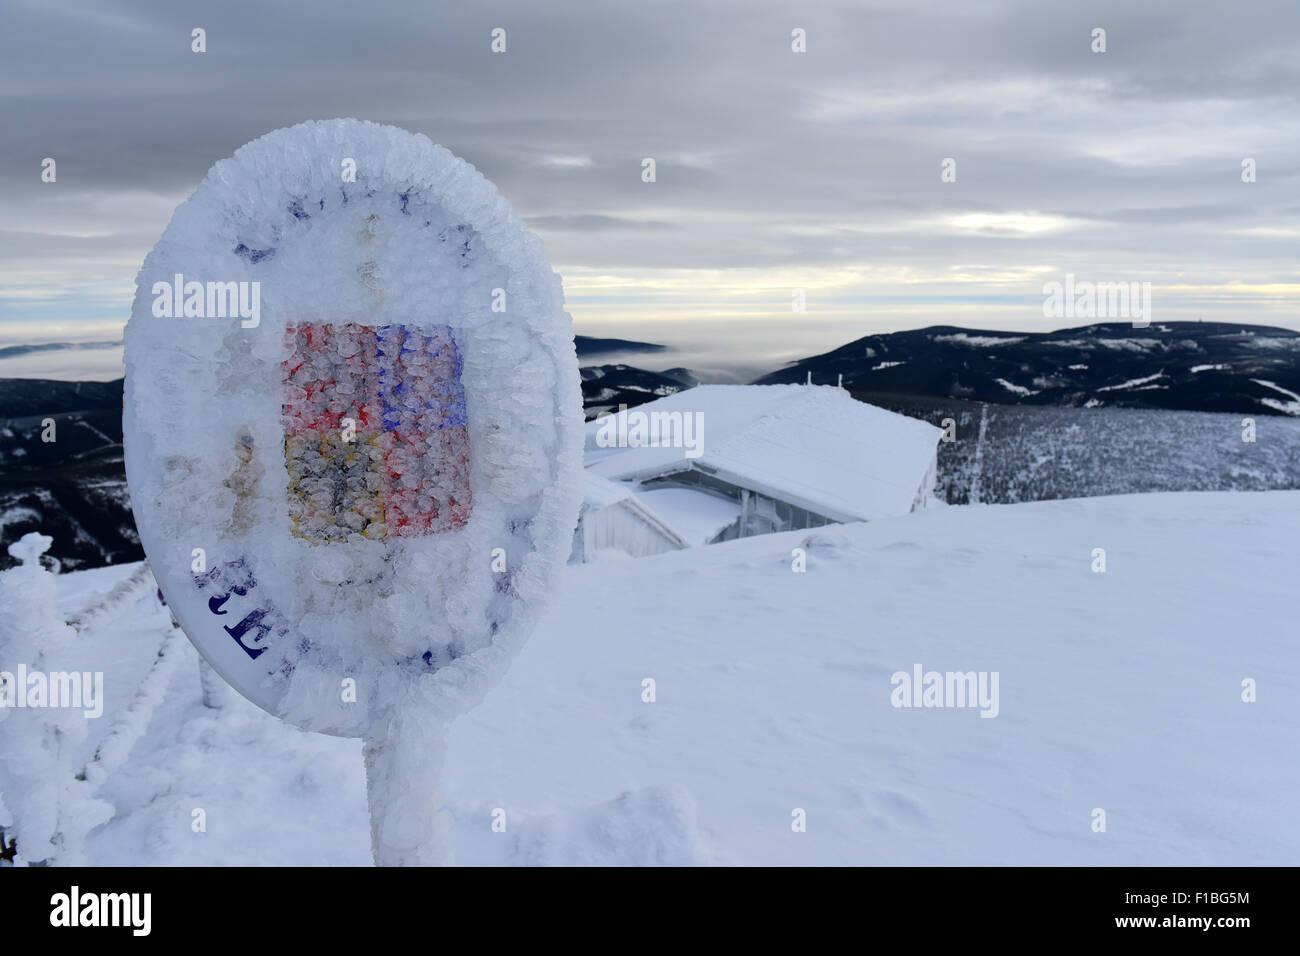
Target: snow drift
column 1119, row 690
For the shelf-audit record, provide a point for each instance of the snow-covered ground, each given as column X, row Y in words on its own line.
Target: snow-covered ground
column 1119, row 690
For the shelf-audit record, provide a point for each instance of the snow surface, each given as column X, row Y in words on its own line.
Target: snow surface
column 1119, row 691
column 811, row 445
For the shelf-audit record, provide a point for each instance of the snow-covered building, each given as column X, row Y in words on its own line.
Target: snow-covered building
column 718, row 462
column 614, row 521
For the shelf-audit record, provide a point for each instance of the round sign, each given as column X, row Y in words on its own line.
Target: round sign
column 352, row 425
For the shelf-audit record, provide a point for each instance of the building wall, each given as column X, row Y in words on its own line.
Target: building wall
column 618, row 527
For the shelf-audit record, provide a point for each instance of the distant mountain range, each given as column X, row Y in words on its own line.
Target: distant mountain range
column 75, row 488
column 605, row 387
column 1196, row 366
column 588, row 346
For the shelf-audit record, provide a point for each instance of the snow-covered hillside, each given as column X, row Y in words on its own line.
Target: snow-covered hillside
column 1119, row 690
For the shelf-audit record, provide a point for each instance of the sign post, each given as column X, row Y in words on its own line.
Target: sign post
column 353, row 443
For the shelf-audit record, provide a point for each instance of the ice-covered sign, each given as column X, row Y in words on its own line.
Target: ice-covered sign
column 353, row 436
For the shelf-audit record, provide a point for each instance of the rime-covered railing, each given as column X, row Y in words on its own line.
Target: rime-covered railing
column 49, row 798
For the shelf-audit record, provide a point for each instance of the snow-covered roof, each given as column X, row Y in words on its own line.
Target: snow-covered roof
column 696, row 515
column 690, row 517
column 598, row 492
column 812, row 446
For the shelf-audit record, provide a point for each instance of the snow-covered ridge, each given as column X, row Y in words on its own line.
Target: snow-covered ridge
column 1291, row 407
column 1016, row 389
column 979, row 341
column 1132, row 383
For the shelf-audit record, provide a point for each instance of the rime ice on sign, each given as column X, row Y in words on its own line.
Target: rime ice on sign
column 402, row 468
column 350, row 549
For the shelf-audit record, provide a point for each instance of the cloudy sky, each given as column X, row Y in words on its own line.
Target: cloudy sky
column 775, row 170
